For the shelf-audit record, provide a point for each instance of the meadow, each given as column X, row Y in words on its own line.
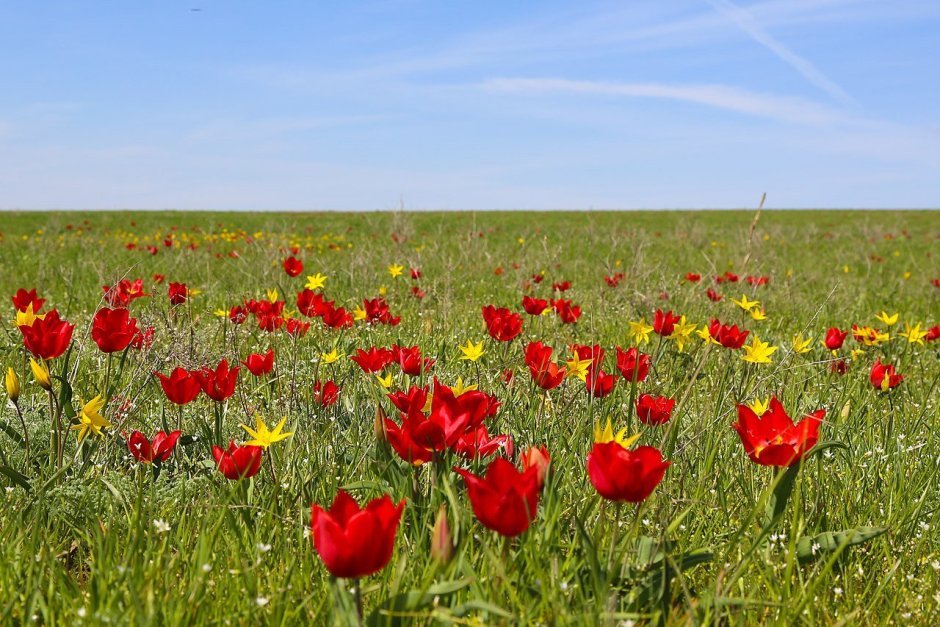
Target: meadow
column 829, row 521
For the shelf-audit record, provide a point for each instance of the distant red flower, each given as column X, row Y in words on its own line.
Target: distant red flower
column 417, row 292
column 181, row 387
column 731, row 277
column 562, row 286
column 614, row 280
column 413, row 400
column 757, row 280
column 664, row 323
column 729, row 336
column 159, row 278
column 594, row 353
column 312, row 304
column 258, row 364
column 374, row 359
column 113, row 329
column 599, row 383
column 546, row 373
column 567, row 312
column 478, row 443
column 296, row 327
column 219, row 384
column 654, row 410
column 238, row 314
column 293, row 266
column 410, row 360
column 883, row 376
column 504, row 499
column 178, row 293
column 415, row 274
column 773, row 439
column 835, row 338
column 691, row 277
column 155, row 452
column 337, row 318
column 502, row 325
column 933, row 333
column 237, row 462
column 619, row 474
column 123, row 293
column 713, row 295
column 377, row 311
column 143, row 339
column 839, row 367
column 633, row 364
column 325, row 393
column 354, row 542
column 23, row 299
column 48, row 337
column 534, row 306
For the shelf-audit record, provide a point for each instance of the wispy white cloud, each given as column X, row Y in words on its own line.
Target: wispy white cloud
column 752, row 28
column 781, row 108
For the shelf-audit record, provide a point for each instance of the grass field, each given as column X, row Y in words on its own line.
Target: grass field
column 97, row 537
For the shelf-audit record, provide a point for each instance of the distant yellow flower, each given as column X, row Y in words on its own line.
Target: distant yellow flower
column 682, row 332
column 272, row 295
column 316, row 281
column 845, row 269
column 801, row 345
column 857, row 352
column 870, row 336
column 640, row 332
column 913, row 335
column 759, row 406
column 12, row 383
column 906, row 275
column 331, row 357
column 758, row 352
column 606, row 434
column 264, row 437
column 471, row 351
column 459, row 388
column 888, row 319
column 521, row 241
column 745, row 304
column 396, row 270
column 383, row 291
column 359, row 313
column 578, row 367
column 758, row 314
column 41, row 373
column 221, row 313
column 91, row 419
column 386, row 381
column 27, row 318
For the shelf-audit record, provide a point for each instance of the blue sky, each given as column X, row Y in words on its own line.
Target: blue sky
column 365, row 105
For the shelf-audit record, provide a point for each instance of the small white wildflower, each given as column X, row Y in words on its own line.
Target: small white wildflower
column 206, row 567
column 161, row 525
column 261, row 601
column 81, row 612
column 264, row 548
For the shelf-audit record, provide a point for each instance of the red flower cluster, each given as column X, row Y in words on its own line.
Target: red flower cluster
column 728, row 336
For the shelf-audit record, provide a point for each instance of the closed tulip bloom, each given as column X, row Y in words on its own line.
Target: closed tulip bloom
column 238, row 462
column 113, row 329
column 181, row 387
column 504, row 499
column 534, row 306
column 413, row 400
column 478, row 443
column 293, row 266
column 47, row 337
column 537, row 457
column 835, row 338
column 23, row 299
column 410, row 360
column 599, row 383
column 773, row 439
column 664, row 323
column 883, row 377
column 729, row 336
column 178, row 293
column 152, row 452
column 259, row 365
column 654, row 410
column 355, row 542
column 219, row 384
column 619, row 474
column 502, row 325
column 374, row 359
column 632, row 364
column 325, row 393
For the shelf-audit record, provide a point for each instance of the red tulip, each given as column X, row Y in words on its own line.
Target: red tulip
column 562, row 286
column 113, row 329
column 325, row 393
column 619, row 474
column 654, row 410
column 594, row 353
column 259, row 365
column 413, row 400
column 835, row 338
column 773, row 439
column 410, row 360
column 337, row 318
column 502, row 325
column 599, row 383
column 534, row 306
column 238, row 462
column 377, row 311
column 713, row 295
column 123, row 293
column 478, row 443
column 665, row 323
column 296, row 327
column 142, row 339
column 567, row 312
column 155, row 452
column 181, row 387
column 293, row 266
column 883, row 377
column 48, row 337
column 691, row 277
column 312, row 304
column 504, row 500
column 219, row 384
column 728, row 336
column 355, row 542
column 546, row 373
column 633, row 364
column 933, row 333
column 238, row 314
column 178, row 293
column 373, row 360
column 23, row 299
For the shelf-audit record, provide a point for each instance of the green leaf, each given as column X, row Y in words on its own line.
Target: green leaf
column 395, row 610
column 777, row 503
column 809, row 548
column 16, row 477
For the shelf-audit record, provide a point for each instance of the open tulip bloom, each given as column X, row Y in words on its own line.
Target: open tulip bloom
column 504, row 499
column 773, row 439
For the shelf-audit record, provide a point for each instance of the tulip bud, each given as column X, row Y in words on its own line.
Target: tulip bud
column 13, row 385
column 41, row 373
column 538, row 457
column 442, row 545
column 379, row 426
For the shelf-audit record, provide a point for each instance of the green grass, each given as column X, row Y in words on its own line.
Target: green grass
column 82, row 545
